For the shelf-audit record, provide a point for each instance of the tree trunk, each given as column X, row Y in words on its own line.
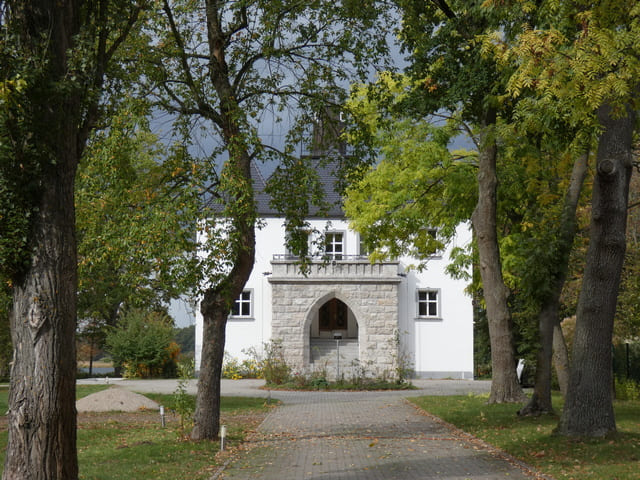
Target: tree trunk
column 240, row 209
column 561, row 359
column 504, row 385
column 42, row 413
column 540, row 401
column 588, row 409
column 207, row 414
column 215, row 309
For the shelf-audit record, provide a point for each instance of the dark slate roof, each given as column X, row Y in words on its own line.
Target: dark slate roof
column 262, row 198
column 327, row 176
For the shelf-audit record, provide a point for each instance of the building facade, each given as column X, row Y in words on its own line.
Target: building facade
column 347, row 316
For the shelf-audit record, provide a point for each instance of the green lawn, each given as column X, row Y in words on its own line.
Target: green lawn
column 532, row 441
column 136, row 446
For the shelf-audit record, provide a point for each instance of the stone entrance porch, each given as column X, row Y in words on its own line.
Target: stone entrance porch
column 349, row 299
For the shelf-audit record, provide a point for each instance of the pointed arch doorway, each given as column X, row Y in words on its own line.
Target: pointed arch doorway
column 332, row 317
column 333, row 339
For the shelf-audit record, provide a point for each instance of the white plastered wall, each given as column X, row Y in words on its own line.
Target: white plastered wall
column 436, row 348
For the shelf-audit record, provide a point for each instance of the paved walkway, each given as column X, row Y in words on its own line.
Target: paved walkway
column 359, row 436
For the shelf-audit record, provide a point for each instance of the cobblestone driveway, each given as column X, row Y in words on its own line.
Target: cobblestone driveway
column 368, row 436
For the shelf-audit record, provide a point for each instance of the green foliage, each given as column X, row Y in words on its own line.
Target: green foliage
column 585, row 56
column 135, row 221
column 20, row 165
column 317, row 380
column 186, row 339
column 184, row 404
column 628, row 390
column 277, row 373
column 279, row 65
column 6, row 347
column 141, row 343
column 72, row 82
column 234, row 369
column 275, row 369
column 418, row 185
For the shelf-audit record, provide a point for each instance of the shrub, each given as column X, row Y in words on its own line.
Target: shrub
column 271, row 365
column 233, row 369
column 627, row 389
column 274, row 366
column 142, row 344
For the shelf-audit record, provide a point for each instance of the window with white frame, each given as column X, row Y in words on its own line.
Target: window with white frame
column 242, row 307
column 334, row 245
column 428, row 303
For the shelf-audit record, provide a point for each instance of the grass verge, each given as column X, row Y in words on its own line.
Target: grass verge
column 532, row 441
column 125, row 446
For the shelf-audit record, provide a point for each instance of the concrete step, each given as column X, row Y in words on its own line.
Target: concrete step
column 324, row 352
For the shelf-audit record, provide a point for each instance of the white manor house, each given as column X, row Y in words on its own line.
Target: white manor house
column 348, row 313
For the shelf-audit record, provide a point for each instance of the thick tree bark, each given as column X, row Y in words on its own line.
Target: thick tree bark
column 561, row 359
column 504, row 386
column 540, row 401
column 588, row 409
column 42, row 414
column 207, row 414
column 60, row 113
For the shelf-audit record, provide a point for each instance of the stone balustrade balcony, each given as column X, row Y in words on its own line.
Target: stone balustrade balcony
column 340, row 268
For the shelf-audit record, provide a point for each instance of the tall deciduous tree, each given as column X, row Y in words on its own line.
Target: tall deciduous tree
column 445, row 55
column 55, row 55
column 586, row 61
column 225, row 65
column 419, row 185
column 589, row 404
column 444, row 61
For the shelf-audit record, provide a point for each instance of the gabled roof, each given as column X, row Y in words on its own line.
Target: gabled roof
column 327, row 177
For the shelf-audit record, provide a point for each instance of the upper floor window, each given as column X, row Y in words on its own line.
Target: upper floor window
column 428, row 303
column 242, row 306
column 334, row 245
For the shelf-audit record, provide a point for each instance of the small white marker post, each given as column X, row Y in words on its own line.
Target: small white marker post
column 223, row 436
column 162, row 421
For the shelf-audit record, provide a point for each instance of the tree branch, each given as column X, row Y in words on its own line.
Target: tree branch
column 444, row 8
column 190, row 81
